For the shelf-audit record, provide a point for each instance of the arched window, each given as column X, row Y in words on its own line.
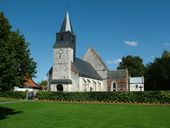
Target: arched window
column 114, row 86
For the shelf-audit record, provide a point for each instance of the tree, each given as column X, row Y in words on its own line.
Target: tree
column 134, row 64
column 4, row 27
column 16, row 65
column 43, row 83
column 157, row 74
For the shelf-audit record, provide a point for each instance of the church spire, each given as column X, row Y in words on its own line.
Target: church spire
column 66, row 38
column 66, row 26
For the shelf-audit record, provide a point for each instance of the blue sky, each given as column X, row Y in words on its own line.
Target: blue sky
column 114, row 28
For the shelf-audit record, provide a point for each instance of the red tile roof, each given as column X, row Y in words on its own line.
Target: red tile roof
column 31, row 84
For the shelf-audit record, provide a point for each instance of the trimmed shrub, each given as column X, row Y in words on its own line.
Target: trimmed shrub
column 134, row 97
column 12, row 94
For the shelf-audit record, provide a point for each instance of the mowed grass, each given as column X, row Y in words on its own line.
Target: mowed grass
column 7, row 99
column 69, row 115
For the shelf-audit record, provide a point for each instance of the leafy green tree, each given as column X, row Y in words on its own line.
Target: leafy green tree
column 43, row 83
column 157, row 76
column 134, row 64
column 16, row 65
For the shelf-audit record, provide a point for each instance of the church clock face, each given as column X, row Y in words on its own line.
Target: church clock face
column 60, row 51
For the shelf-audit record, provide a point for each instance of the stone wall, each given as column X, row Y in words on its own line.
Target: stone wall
column 62, row 63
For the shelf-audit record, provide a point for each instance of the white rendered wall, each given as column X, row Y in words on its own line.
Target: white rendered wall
column 136, row 83
column 88, row 84
column 74, row 87
column 62, row 60
column 140, row 87
column 25, row 89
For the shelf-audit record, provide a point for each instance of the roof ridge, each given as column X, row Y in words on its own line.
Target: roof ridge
column 86, row 69
column 99, row 58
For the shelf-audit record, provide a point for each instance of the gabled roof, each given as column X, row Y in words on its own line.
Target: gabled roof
column 50, row 71
column 136, row 80
column 66, row 26
column 121, row 73
column 85, row 69
column 31, row 84
column 97, row 56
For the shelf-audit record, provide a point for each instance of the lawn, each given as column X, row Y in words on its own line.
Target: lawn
column 71, row 115
column 7, row 99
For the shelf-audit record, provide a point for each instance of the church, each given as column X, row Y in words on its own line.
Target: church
column 89, row 73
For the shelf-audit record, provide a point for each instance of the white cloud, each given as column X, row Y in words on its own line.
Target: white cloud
column 131, row 43
column 116, row 61
column 166, row 44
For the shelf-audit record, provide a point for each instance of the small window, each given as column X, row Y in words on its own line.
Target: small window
column 136, row 86
column 84, row 80
column 62, row 37
column 88, row 80
column 72, row 38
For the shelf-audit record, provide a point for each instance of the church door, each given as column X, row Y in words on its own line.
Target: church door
column 59, row 87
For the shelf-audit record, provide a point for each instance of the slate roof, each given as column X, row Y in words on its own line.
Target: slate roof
column 66, row 26
column 65, row 38
column 136, row 80
column 85, row 69
column 61, row 81
column 121, row 73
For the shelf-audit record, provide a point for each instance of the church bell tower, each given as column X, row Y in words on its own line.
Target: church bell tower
column 66, row 38
column 64, row 53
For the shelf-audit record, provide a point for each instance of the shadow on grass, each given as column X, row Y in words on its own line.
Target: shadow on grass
column 6, row 112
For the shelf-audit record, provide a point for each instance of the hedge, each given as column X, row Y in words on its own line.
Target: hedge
column 131, row 97
column 12, row 94
column 134, row 97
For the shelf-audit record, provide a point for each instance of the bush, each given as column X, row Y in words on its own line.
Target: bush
column 12, row 94
column 139, row 97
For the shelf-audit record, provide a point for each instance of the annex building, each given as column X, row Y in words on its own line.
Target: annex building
column 89, row 73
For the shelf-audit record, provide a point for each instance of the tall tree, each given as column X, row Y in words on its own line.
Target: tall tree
column 157, row 75
column 4, row 27
column 16, row 65
column 43, row 83
column 134, row 64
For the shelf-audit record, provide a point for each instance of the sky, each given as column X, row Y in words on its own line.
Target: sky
column 113, row 28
